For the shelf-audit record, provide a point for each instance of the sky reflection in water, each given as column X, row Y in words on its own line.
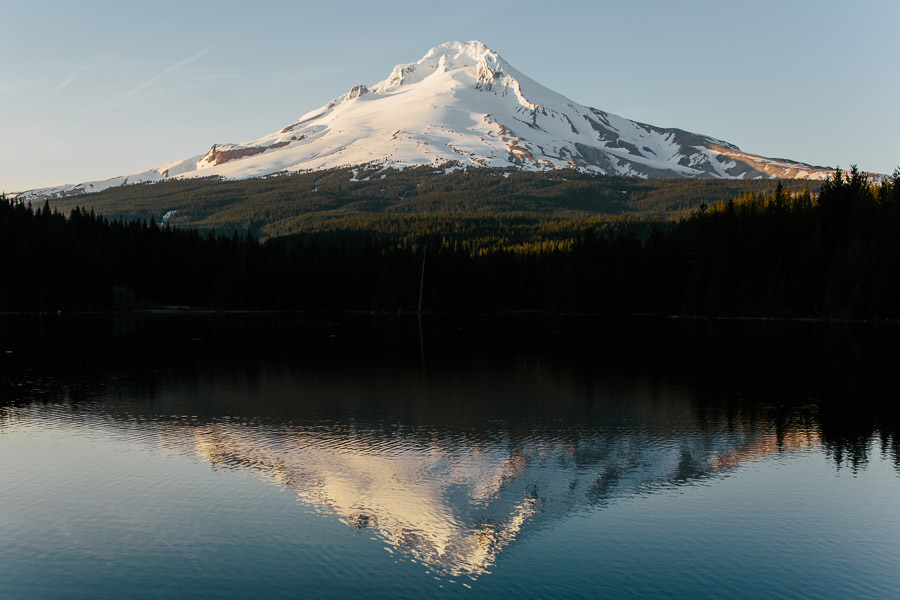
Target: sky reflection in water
column 491, row 474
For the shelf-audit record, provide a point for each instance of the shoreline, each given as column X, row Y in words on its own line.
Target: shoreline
column 211, row 312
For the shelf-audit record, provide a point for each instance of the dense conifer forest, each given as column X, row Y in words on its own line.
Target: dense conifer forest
column 776, row 252
column 402, row 200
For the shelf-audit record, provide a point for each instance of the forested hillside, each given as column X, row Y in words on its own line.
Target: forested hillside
column 771, row 253
column 389, row 199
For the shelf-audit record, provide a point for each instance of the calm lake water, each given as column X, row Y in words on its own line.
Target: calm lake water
column 277, row 457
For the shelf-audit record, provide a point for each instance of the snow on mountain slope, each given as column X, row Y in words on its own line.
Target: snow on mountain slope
column 463, row 103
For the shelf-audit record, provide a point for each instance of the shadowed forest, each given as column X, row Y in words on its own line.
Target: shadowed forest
column 776, row 252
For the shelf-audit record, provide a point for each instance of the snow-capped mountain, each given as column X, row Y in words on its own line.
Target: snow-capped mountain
column 463, row 105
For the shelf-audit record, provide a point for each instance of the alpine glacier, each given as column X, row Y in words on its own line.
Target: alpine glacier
column 462, row 105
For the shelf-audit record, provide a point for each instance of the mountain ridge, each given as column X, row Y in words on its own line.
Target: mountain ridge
column 462, row 105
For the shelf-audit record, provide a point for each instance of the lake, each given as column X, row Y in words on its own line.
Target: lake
column 280, row 456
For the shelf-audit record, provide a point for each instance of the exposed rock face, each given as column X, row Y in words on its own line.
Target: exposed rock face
column 217, row 155
column 355, row 92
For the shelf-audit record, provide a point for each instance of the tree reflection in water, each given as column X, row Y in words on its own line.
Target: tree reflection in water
column 506, row 427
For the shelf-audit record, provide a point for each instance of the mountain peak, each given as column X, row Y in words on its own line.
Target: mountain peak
column 461, row 54
column 449, row 56
column 462, row 104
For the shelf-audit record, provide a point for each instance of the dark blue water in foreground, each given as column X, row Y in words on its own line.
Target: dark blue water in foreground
column 240, row 456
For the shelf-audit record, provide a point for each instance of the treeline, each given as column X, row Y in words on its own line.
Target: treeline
column 777, row 253
column 835, row 255
column 83, row 261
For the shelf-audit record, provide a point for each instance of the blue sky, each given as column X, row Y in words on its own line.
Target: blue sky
column 95, row 89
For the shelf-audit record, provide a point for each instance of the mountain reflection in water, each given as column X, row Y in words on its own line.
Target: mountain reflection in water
column 453, row 501
column 447, row 462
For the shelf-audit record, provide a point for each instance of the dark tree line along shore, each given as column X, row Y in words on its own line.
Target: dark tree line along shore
column 776, row 253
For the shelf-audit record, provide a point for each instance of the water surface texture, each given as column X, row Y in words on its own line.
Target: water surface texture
column 252, row 456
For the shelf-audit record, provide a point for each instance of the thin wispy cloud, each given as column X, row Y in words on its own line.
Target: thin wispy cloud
column 67, row 81
column 72, row 76
column 174, row 67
